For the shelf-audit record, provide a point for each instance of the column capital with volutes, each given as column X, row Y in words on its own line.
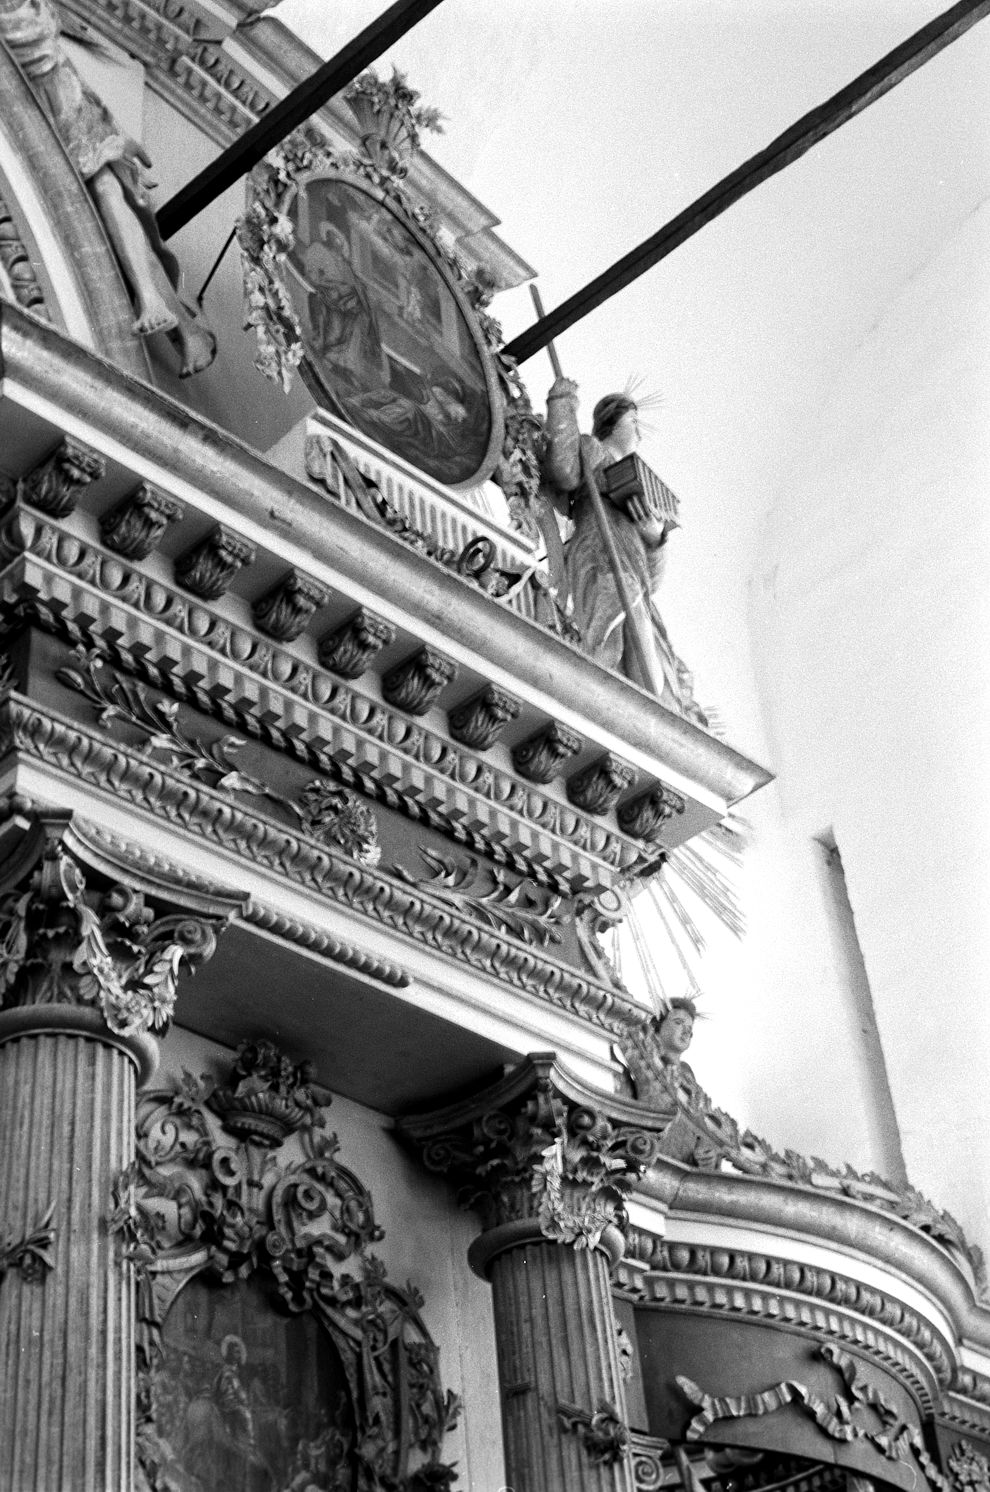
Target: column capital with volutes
column 539, row 1154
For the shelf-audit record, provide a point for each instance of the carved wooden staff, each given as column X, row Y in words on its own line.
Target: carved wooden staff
column 633, row 621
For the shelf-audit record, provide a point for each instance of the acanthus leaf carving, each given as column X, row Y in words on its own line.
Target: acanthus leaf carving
column 417, row 681
column 284, row 611
column 968, row 1469
column 138, row 522
column 336, row 816
column 643, row 815
column 540, row 757
column 527, row 911
column 481, row 719
column 532, row 1150
column 603, row 1433
column 64, row 944
column 241, row 1175
column 32, row 1254
column 328, row 812
column 57, row 483
column 350, row 649
column 208, row 568
column 598, row 786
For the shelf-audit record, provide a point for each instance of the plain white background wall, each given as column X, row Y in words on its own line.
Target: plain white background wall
column 871, row 625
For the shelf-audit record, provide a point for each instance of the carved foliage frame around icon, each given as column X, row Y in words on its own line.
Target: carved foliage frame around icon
column 266, row 237
column 239, row 1181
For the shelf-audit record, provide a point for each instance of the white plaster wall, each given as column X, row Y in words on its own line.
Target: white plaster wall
column 871, row 642
column 426, row 1243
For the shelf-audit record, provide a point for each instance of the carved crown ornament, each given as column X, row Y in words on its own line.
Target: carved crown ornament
column 237, row 1192
column 320, row 268
column 66, row 941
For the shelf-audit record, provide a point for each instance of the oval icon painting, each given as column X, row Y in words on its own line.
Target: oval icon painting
column 389, row 343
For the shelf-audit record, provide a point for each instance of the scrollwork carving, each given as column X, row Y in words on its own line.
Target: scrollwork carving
column 215, row 1189
column 328, row 812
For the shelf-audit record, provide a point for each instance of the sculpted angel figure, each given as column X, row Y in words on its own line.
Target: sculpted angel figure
column 639, row 535
column 116, row 170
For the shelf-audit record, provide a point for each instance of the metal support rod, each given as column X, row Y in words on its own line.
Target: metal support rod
column 290, row 112
column 787, row 148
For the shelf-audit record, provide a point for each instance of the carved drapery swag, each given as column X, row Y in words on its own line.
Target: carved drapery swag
column 239, row 1179
column 63, row 943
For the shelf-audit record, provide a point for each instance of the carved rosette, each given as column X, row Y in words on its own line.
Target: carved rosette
column 351, row 649
column 208, row 568
column 597, row 788
column 137, row 524
column 414, row 684
column 284, row 611
column 240, row 1177
column 57, row 483
column 642, row 816
column 481, row 720
column 540, row 757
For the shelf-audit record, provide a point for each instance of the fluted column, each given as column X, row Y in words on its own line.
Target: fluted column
column 83, row 977
column 544, row 1160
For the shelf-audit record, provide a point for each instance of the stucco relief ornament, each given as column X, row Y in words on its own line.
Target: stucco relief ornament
column 969, row 1470
column 116, row 170
column 58, row 947
column 317, row 219
column 238, row 1184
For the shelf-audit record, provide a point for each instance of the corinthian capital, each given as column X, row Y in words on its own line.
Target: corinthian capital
column 72, row 937
column 539, row 1154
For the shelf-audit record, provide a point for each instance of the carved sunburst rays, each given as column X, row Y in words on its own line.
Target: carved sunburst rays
column 669, row 919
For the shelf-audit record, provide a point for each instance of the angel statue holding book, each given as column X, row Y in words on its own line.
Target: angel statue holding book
column 612, row 576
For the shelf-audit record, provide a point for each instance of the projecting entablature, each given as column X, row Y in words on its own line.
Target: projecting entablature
column 281, row 606
column 319, row 709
